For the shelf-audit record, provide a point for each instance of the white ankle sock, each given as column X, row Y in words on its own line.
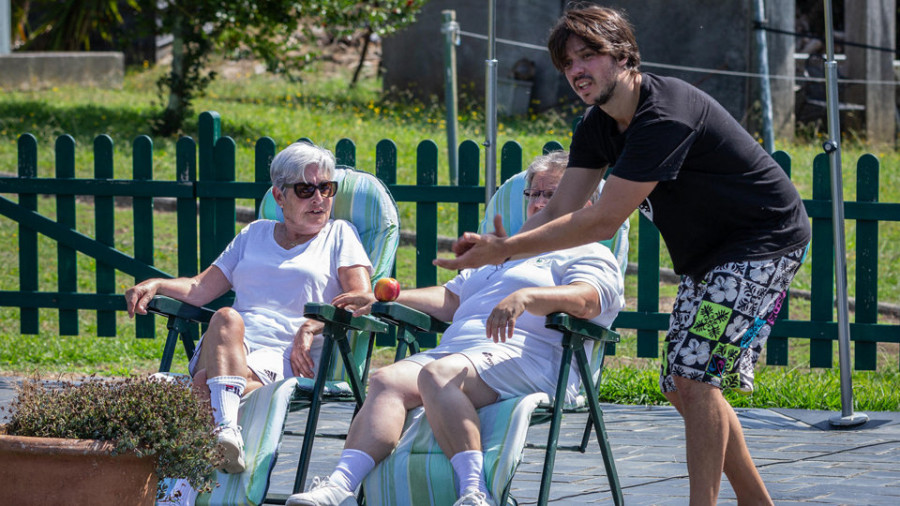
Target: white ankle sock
column 225, row 397
column 469, row 467
column 351, row 469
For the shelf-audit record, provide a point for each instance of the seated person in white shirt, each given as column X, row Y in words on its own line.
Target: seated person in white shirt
column 496, row 348
column 274, row 269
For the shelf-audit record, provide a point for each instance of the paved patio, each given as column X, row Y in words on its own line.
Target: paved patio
column 801, row 458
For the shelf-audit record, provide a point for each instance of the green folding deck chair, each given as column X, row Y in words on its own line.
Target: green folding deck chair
column 418, row 473
column 365, row 201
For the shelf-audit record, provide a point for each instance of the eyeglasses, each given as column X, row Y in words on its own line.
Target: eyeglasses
column 536, row 194
column 306, row 190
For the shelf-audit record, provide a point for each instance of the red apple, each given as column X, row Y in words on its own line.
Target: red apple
column 387, row 289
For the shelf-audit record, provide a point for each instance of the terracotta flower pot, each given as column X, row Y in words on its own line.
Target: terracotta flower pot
column 43, row 471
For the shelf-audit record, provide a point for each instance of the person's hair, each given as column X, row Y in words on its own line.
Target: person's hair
column 554, row 161
column 289, row 166
column 602, row 29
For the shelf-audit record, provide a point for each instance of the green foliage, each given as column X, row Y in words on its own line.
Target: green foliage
column 282, row 33
column 145, row 416
column 68, row 25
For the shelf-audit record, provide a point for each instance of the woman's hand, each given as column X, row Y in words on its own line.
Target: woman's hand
column 301, row 361
column 359, row 302
column 138, row 296
column 501, row 323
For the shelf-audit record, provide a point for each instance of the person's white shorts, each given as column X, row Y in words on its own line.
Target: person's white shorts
column 269, row 364
column 503, row 369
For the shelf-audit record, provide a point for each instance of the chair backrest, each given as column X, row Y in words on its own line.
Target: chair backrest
column 365, row 201
column 510, row 203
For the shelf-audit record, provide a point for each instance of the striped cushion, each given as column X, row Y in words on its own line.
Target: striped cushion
column 416, row 472
column 363, row 200
column 510, row 203
column 261, row 417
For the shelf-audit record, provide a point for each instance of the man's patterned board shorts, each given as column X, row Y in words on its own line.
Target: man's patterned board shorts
column 719, row 325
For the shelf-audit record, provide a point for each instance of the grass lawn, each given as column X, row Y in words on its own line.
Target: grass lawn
column 324, row 110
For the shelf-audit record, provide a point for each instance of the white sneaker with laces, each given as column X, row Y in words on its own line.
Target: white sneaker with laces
column 472, row 497
column 323, row 493
column 232, row 445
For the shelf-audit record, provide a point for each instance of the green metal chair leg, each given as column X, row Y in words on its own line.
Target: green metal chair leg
column 555, row 422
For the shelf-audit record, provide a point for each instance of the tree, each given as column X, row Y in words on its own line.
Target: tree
column 278, row 32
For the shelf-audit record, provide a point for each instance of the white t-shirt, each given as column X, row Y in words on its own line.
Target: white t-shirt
column 272, row 284
column 480, row 290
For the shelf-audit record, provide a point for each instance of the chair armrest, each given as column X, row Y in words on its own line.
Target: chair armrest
column 328, row 313
column 398, row 314
column 167, row 306
column 565, row 322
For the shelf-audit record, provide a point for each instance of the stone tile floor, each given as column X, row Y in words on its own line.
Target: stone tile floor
column 802, row 459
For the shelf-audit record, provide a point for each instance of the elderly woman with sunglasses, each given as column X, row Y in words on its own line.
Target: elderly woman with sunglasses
column 274, row 269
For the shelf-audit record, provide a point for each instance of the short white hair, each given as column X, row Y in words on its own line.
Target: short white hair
column 289, row 166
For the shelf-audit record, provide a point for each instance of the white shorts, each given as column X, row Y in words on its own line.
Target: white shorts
column 269, row 364
column 502, row 368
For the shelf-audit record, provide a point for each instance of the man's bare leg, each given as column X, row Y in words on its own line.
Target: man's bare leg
column 710, row 425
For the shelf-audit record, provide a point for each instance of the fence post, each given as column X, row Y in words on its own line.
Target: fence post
column 265, row 152
column 822, row 250
column 867, row 171
column 345, row 153
column 210, row 127
column 777, row 347
column 426, row 215
column 28, row 248
column 648, row 284
column 510, row 160
column 65, row 216
column 142, row 170
column 104, row 230
column 468, row 172
column 223, row 156
column 386, row 170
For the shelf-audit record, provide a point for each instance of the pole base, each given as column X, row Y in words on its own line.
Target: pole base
column 852, row 420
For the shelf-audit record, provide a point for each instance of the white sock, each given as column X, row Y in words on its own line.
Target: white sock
column 225, row 397
column 469, row 467
column 353, row 467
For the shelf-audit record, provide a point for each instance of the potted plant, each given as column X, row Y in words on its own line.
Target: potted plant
column 94, row 441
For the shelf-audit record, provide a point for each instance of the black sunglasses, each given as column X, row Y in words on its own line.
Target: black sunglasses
column 306, row 190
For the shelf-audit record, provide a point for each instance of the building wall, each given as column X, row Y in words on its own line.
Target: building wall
column 704, row 34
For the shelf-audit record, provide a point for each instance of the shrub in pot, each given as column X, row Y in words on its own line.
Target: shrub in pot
column 135, row 418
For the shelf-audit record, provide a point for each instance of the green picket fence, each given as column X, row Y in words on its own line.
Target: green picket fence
column 205, row 191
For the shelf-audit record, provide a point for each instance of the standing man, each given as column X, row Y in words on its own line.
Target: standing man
column 735, row 227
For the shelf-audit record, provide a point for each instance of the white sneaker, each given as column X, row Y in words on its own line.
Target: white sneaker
column 472, row 497
column 181, row 493
column 323, row 493
column 232, row 445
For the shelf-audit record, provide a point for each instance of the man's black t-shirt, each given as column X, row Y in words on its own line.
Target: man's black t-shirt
column 720, row 197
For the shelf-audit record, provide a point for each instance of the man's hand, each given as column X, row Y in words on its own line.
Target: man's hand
column 474, row 250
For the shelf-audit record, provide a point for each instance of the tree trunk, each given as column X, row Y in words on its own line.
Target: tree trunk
column 362, row 57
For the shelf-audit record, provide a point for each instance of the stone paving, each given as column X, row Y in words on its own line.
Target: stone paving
column 801, row 458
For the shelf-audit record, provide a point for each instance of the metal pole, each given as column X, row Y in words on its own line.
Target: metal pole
column 833, row 148
column 450, row 29
column 762, row 56
column 5, row 26
column 490, row 139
